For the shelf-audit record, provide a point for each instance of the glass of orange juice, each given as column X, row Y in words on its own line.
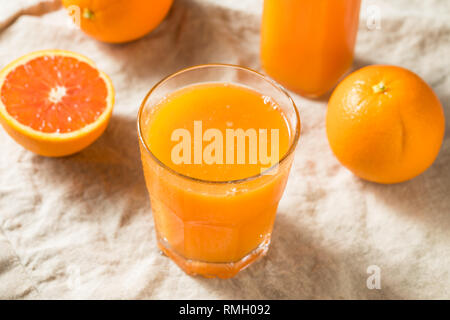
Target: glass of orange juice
column 308, row 45
column 217, row 143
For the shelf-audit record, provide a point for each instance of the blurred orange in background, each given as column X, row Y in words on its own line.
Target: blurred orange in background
column 117, row 21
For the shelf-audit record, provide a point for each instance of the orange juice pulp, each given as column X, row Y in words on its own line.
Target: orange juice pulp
column 212, row 223
column 307, row 45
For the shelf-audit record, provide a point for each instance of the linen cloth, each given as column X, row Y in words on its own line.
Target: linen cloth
column 81, row 226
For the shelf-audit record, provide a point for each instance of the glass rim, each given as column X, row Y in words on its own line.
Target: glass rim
column 222, row 65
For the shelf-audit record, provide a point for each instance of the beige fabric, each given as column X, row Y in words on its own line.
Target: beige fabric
column 81, row 227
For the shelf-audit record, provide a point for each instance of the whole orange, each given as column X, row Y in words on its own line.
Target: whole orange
column 117, row 21
column 385, row 124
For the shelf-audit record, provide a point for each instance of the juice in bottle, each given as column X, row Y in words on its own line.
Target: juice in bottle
column 215, row 217
column 308, row 45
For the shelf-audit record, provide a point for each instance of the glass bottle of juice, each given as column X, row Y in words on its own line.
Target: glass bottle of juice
column 308, row 45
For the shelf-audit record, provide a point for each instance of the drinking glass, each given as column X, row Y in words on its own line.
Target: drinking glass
column 214, row 228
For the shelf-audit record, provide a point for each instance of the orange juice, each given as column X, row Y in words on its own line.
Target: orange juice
column 215, row 217
column 307, row 45
column 218, row 106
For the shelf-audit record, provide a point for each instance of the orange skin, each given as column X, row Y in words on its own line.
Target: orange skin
column 118, row 21
column 308, row 45
column 385, row 124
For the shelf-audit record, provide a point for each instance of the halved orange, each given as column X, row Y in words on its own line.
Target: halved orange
column 55, row 103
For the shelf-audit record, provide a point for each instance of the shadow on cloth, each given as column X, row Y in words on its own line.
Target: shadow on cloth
column 308, row 271
column 421, row 198
column 108, row 169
